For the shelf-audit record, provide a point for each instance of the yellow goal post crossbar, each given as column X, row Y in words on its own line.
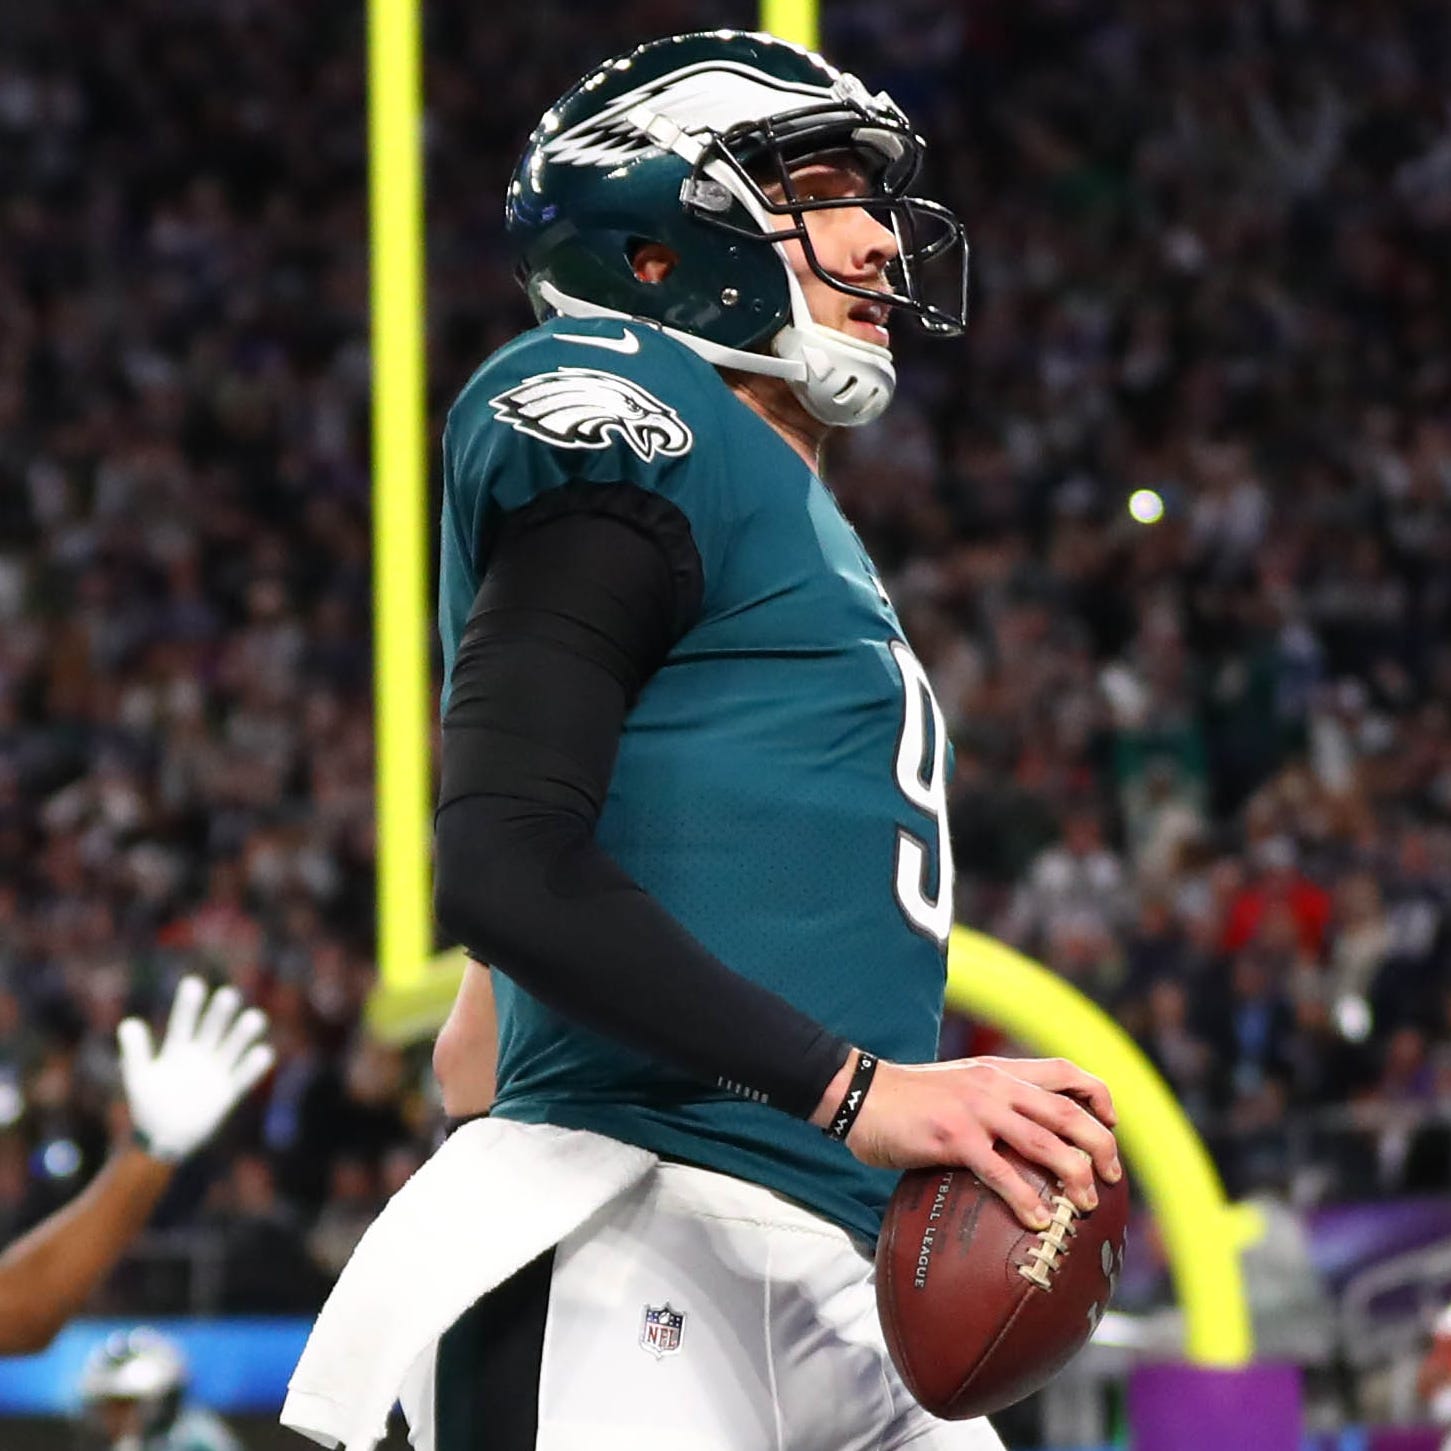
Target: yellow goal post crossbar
column 1201, row 1232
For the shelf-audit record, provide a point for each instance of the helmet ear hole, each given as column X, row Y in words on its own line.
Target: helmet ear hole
column 649, row 260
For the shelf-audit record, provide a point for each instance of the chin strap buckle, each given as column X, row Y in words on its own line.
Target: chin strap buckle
column 705, row 194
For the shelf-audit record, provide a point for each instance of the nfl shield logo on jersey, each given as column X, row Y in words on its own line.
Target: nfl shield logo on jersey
column 661, row 1329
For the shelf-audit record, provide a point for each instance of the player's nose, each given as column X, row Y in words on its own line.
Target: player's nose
column 873, row 244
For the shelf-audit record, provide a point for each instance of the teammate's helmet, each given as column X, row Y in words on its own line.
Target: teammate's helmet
column 673, row 143
column 141, row 1366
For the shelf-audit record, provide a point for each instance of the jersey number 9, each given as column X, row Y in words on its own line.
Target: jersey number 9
column 922, row 779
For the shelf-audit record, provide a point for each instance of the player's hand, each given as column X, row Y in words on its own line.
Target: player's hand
column 922, row 1115
column 212, row 1055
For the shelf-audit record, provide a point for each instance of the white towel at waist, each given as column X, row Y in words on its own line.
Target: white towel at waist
column 495, row 1196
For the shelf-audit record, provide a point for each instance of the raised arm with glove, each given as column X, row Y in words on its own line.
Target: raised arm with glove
column 212, row 1054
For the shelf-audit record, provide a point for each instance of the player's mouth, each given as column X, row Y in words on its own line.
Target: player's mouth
column 869, row 320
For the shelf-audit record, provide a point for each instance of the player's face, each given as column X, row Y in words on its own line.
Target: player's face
column 850, row 244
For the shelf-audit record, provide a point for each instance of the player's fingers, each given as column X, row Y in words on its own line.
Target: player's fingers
column 248, row 1028
column 133, row 1038
column 185, row 1007
column 1069, row 1120
column 1070, row 1166
column 1010, row 1186
column 255, row 1065
column 218, row 1017
column 1059, row 1075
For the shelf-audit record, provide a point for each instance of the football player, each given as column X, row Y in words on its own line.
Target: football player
column 694, row 781
column 178, row 1096
column 133, row 1398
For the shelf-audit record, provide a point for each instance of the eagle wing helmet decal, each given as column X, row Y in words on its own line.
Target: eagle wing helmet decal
column 709, row 97
column 584, row 408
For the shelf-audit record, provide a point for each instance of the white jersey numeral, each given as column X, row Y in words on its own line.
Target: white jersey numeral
column 928, row 793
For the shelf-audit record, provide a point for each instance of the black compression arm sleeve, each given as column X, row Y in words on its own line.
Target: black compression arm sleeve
column 581, row 601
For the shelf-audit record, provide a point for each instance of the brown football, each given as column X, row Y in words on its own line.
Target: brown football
column 979, row 1312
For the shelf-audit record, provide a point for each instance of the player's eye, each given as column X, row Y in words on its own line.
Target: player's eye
column 823, row 190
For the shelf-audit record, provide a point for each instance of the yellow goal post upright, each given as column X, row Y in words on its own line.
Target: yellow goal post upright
column 794, row 20
column 1202, row 1235
column 406, row 1003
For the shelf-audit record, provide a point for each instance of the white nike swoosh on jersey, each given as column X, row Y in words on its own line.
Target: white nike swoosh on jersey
column 627, row 344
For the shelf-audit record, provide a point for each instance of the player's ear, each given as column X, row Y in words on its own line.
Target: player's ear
column 654, row 261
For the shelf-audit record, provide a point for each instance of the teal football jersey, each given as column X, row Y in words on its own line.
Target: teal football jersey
column 781, row 780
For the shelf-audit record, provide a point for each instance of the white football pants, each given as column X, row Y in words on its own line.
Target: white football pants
column 702, row 1313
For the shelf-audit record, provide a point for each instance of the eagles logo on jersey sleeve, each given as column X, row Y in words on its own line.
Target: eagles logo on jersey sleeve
column 582, row 401
column 576, row 407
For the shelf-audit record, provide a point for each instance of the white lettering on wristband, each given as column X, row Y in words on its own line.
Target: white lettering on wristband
column 861, row 1081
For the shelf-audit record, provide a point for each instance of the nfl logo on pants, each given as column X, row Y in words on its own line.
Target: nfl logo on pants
column 661, row 1329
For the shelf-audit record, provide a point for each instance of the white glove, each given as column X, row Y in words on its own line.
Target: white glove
column 208, row 1060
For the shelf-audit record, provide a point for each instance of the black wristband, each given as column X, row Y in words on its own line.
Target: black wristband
column 856, row 1095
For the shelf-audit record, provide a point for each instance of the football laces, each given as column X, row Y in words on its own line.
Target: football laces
column 1051, row 1246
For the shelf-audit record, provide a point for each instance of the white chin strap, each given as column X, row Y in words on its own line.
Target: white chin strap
column 840, row 381
column 848, row 381
column 716, row 354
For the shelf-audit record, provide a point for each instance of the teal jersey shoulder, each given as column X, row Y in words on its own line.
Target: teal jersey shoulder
column 587, row 401
column 780, row 783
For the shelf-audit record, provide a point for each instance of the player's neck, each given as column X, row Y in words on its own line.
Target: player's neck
column 774, row 402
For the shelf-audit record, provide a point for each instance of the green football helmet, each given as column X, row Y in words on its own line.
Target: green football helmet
column 138, row 1366
column 674, row 143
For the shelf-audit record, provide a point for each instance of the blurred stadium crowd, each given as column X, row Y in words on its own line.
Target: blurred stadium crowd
column 1203, row 763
